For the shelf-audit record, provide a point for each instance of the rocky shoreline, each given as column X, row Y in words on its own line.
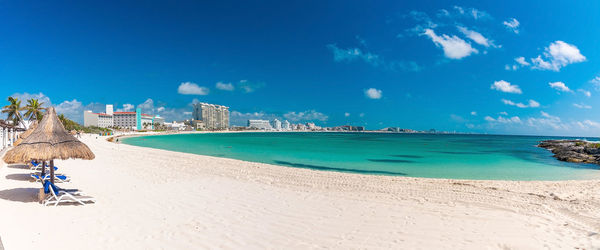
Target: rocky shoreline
column 573, row 150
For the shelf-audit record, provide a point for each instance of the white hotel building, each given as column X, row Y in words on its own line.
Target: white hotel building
column 124, row 120
column 260, row 124
column 212, row 116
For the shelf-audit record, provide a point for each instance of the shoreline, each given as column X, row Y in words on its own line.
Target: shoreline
column 153, row 198
column 348, row 172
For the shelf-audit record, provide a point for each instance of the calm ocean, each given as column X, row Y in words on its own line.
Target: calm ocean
column 486, row 157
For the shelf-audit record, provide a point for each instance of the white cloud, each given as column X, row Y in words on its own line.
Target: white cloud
column 512, row 24
column 473, row 113
column 585, row 92
column 453, row 46
column 174, row 114
column 582, row 106
column 478, row 14
column 346, row 114
column 373, row 93
column 225, row 86
column 505, row 120
column 309, row 115
column 423, row 19
column 547, row 120
column 249, row 86
column 361, row 115
column 557, row 55
column 596, row 82
column 250, row 115
column 521, row 60
column 147, row 106
column 503, row 113
column 72, row 109
column 39, row 96
column 352, row 54
column 588, row 123
column 560, row 86
column 514, row 119
column 476, row 37
column 462, row 12
column 126, row 108
column 544, row 114
column 533, row 104
column 511, row 67
column 530, row 104
column 190, row 88
column 356, row 54
column 506, row 87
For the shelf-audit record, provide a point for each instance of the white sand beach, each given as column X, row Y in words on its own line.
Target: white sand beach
column 156, row 199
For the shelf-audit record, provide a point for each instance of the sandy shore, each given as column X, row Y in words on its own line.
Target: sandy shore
column 153, row 199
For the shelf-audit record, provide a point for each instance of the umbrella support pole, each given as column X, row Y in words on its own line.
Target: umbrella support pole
column 43, row 168
column 52, row 171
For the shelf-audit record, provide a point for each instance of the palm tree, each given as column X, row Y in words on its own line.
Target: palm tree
column 34, row 110
column 62, row 119
column 13, row 111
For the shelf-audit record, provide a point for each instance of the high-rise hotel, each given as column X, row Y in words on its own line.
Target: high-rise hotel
column 213, row 117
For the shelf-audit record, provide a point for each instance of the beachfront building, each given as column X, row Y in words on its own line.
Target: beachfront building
column 198, row 125
column 180, row 126
column 277, row 124
column 8, row 134
column 259, row 124
column 213, row 117
column 123, row 120
column 300, row 127
column 286, row 126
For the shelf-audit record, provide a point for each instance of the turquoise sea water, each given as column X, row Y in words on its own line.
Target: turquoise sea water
column 497, row 157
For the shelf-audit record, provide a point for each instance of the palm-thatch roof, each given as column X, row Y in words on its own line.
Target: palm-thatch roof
column 26, row 133
column 49, row 141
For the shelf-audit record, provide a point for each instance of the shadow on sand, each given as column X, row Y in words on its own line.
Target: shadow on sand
column 300, row 165
column 19, row 177
column 18, row 166
column 20, row 194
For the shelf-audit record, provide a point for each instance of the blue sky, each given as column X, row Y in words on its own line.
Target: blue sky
column 472, row 66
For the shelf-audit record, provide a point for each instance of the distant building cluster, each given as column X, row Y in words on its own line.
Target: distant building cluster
column 210, row 117
column 206, row 116
column 121, row 120
column 277, row 125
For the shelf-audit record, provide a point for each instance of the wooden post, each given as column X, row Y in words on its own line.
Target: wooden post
column 43, row 169
column 52, row 171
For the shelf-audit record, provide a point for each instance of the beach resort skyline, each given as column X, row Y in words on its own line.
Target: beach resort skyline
column 299, row 124
column 468, row 67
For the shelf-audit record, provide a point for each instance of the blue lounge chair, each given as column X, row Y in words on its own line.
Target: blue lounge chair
column 58, row 195
column 59, row 177
column 38, row 166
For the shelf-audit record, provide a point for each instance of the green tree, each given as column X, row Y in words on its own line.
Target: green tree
column 34, row 110
column 13, row 110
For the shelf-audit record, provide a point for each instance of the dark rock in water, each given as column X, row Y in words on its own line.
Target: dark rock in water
column 573, row 150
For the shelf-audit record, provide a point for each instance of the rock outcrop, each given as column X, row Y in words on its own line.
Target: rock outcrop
column 573, row 150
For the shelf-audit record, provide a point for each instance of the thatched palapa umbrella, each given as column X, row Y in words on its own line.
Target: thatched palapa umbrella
column 47, row 142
